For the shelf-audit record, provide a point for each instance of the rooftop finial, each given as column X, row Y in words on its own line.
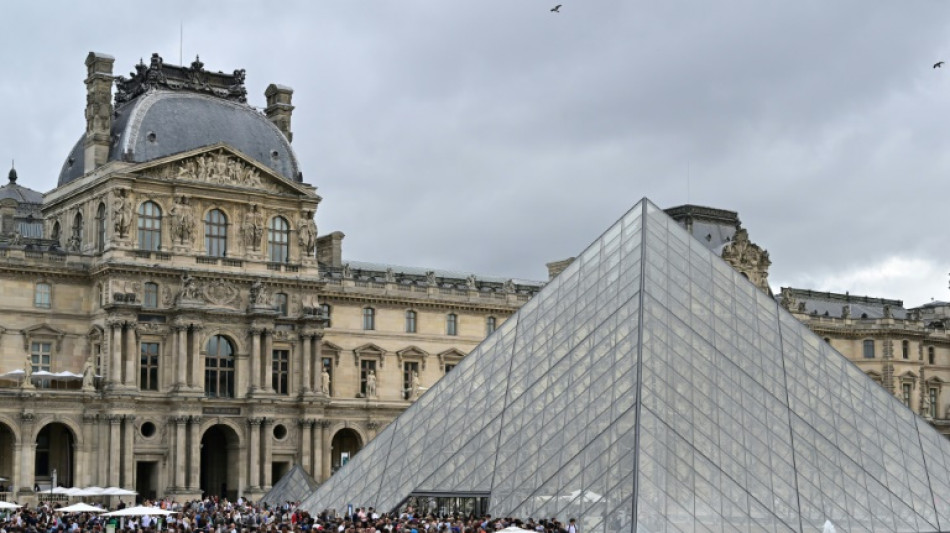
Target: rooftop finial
column 12, row 174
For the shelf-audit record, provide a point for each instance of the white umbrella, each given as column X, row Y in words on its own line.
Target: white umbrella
column 515, row 529
column 140, row 510
column 89, row 491
column 81, row 508
column 8, row 505
column 829, row 527
column 116, row 491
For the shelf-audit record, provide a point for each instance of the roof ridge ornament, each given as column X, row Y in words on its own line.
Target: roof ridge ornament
column 193, row 78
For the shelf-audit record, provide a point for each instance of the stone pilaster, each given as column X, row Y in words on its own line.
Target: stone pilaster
column 128, row 452
column 324, row 450
column 180, row 462
column 194, row 452
column 254, row 454
column 115, row 448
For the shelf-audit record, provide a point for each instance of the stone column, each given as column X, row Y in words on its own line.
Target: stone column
column 305, row 372
column 255, row 363
column 115, row 355
column 115, row 448
column 86, row 461
column 128, row 453
column 268, row 360
column 180, row 462
column 196, row 383
column 181, row 359
column 131, row 354
column 254, row 453
column 324, row 450
column 194, row 452
column 27, row 454
column 306, row 440
column 267, row 446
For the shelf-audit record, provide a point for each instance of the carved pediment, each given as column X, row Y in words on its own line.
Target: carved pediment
column 370, row 350
column 218, row 165
column 412, row 353
column 42, row 331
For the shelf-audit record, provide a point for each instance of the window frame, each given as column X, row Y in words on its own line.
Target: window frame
column 491, row 324
column 282, row 303
column 149, row 226
column 223, row 369
column 101, row 228
column 905, row 349
column 216, row 233
column 868, row 349
column 280, row 371
column 43, row 295
column 931, row 355
column 150, row 295
column 407, row 368
column 278, row 240
column 149, row 372
column 452, row 324
column 38, row 349
column 369, row 319
column 412, row 319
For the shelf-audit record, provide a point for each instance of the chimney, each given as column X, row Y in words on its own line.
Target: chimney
column 279, row 108
column 330, row 249
column 98, row 110
column 556, row 267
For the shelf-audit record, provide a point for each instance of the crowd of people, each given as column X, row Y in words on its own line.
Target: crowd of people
column 213, row 515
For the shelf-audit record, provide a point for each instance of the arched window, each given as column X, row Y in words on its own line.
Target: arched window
column 150, row 226
column 869, row 349
column 369, row 318
column 280, row 303
column 490, row 324
column 151, row 295
column 219, row 368
column 101, row 228
column 451, row 324
column 216, row 233
column 410, row 321
column 56, row 232
column 278, row 237
column 75, row 240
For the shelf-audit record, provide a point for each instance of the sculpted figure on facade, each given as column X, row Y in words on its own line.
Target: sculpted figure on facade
column 183, row 221
column 509, row 286
column 307, row 234
column 748, row 259
column 390, row 276
column 415, row 387
column 27, row 373
column 189, row 288
column 845, row 311
column 371, row 384
column 347, row 271
column 88, row 375
column 259, row 293
column 218, row 167
column 253, row 228
column 430, row 279
column 121, row 212
column 471, row 282
column 325, row 382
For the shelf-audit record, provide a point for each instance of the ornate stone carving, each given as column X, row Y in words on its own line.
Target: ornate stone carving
column 183, row 221
column 845, row 311
column 470, row 282
column 371, row 384
column 221, row 293
column 788, row 301
column 190, row 290
column 219, row 167
column 748, row 258
column 347, row 271
column 307, row 234
column 121, row 212
column 259, row 294
column 390, row 276
column 325, row 382
column 431, row 279
column 509, row 286
column 253, row 228
column 194, row 78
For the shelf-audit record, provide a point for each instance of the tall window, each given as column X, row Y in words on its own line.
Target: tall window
column 101, row 228
column 905, row 392
column 216, row 233
column 325, row 310
column 869, row 349
column 407, row 370
column 410, row 321
column 905, row 349
column 490, row 324
column 451, row 324
column 366, row 366
column 75, row 240
column 219, row 368
column 280, row 303
column 40, row 360
column 151, row 296
column 148, row 368
column 933, row 401
column 42, row 296
column 369, row 318
column 281, row 367
column 56, row 232
column 150, row 226
column 278, row 239
column 931, row 356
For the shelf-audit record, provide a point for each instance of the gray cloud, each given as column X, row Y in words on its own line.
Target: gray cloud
column 494, row 136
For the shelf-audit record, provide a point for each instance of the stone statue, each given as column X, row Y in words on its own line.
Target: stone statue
column 801, row 307
column 845, row 311
column 390, row 276
column 325, row 382
column 470, row 282
column 183, row 221
column 887, row 312
column 121, row 212
column 510, row 286
column 259, row 293
column 88, row 375
column 371, row 384
column 430, row 279
column 189, row 288
column 28, row 374
column 347, row 271
column 253, row 228
column 414, row 386
column 307, row 234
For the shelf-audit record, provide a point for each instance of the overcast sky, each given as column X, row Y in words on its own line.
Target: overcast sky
column 495, row 136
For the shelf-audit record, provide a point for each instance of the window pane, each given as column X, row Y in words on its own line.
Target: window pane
column 278, row 237
column 369, row 318
column 150, row 226
column 151, row 296
column 216, row 233
column 410, row 321
column 219, row 368
column 869, row 349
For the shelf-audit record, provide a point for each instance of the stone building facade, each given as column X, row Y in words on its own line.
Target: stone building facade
column 172, row 321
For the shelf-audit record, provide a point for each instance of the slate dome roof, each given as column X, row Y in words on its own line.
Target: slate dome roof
column 163, row 122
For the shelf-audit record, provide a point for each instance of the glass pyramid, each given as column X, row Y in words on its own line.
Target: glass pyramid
column 651, row 388
column 294, row 486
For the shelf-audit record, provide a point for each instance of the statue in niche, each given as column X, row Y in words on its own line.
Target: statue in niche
column 28, row 374
column 371, row 384
column 307, row 234
column 325, row 382
column 121, row 212
column 183, row 220
column 415, row 387
column 88, row 375
column 253, row 228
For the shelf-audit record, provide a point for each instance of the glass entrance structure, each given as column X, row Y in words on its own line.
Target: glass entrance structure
column 650, row 387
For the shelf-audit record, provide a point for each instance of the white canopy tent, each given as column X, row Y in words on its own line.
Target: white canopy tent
column 140, row 510
column 81, row 508
column 8, row 505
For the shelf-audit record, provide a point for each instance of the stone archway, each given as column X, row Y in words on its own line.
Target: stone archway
column 346, row 443
column 55, row 452
column 220, row 450
column 7, row 457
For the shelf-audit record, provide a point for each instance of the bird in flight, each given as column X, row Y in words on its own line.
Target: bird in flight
column 938, row 64
column 556, row 9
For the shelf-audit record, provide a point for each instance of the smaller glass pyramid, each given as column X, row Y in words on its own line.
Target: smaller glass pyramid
column 651, row 388
column 295, row 486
